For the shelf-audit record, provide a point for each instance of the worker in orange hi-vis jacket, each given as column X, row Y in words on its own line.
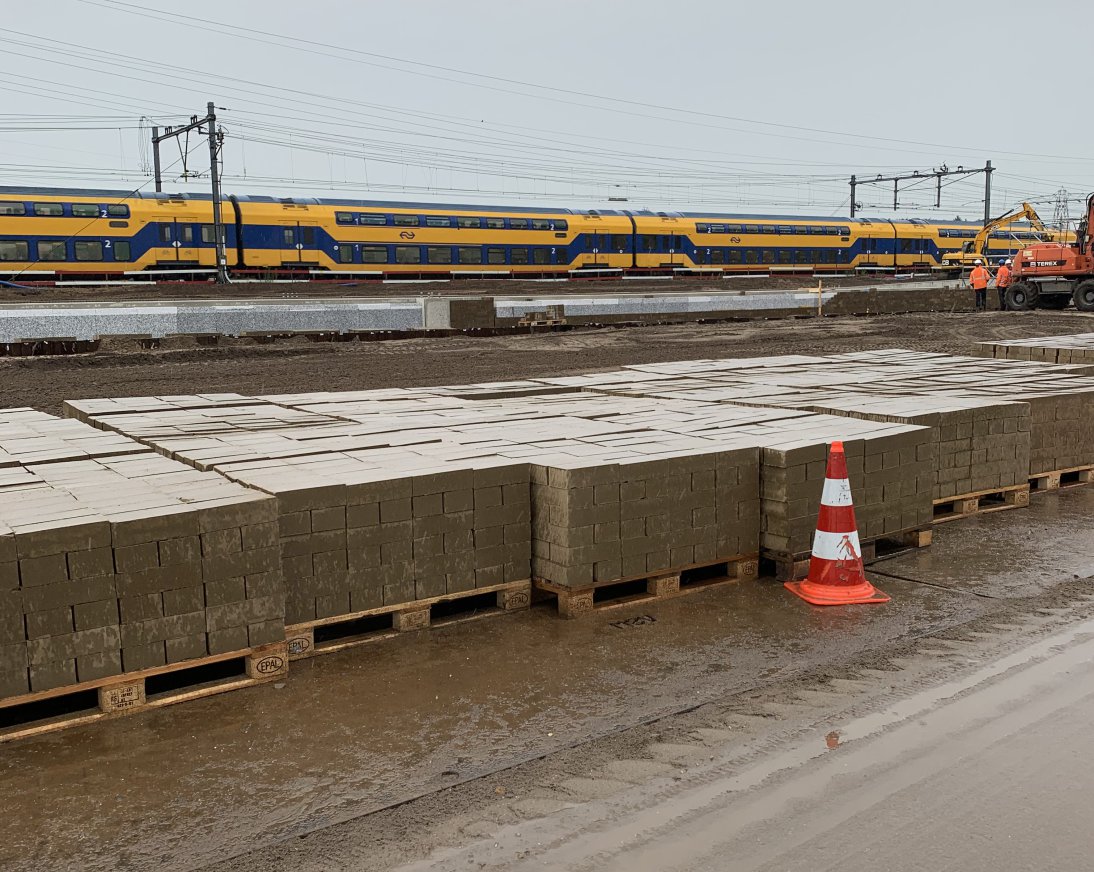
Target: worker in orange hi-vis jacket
column 1002, row 282
column 979, row 278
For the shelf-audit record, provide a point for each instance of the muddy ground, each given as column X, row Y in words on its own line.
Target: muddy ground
column 407, row 749
column 457, row 287
column 180, row 366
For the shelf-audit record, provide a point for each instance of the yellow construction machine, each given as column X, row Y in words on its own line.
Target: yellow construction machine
column 977, row 248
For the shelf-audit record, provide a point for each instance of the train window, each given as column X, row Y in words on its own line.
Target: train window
column 702, row 228
column 288, row 237
column 49, row 209
column 814, row 230
column 10, row 208
column 406, row 220
column 563, row 255
column 187, row 234
column 117, row 210
column 468, row 222
column 803, row 256
column 734, row 228
column 207, row 235
column 648, row 242
column 717, row 255
column 734, row 255
column 495, row 255
column 831, row 231
column 13, row 249
column 51, row 251
column 121, row 251
column 377, row 220
column 620, row 241
column 378, row 253
column 785, row 255
column 541, row 255
column 769, row 256
column 345, row 254
column 165, row 232
column 786, row 229
column 469, row 254
column 403, row 254
column 518, row 255
column 518, row 223
column 307, row 236
column 561, row 224
column 750, row 256
column 541, row 224
column 437, row 221
column 717, row 228
column 85, row 210
column 907, row 246
column 89, row 249
column 495, row 223
column 845, row 231
column 767, row 228
column 752, row 228
column 344, row 217
column 438, row 254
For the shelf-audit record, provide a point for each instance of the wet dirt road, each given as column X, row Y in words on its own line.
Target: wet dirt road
column 992, row 770
column 411, row 748
column 181, row 367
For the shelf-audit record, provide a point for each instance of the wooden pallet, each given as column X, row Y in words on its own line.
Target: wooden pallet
column 33, row 714
column 792, row 567
column 980, row 503
column 336, row 633
column 1061, row 478
column 575, row 602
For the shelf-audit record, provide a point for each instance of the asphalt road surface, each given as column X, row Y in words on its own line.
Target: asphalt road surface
column 988, row 772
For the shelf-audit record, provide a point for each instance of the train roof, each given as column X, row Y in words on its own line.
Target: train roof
column 107, row 193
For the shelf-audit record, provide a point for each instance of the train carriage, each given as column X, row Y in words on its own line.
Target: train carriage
column 48, row 234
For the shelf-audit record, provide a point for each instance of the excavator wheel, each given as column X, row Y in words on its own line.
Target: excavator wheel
column 1021, row 297
column 1084, row 296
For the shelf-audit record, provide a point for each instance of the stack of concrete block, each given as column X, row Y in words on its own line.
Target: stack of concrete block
column 381, row 529
column 979, row 444
column 1076, row 348
column 596, row 523
column 119, row 564
column 891, row 469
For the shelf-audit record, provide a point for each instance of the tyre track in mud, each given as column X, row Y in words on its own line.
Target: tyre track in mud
column 697, row 744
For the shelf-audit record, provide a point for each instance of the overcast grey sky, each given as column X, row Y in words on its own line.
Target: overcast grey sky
column 765, row 107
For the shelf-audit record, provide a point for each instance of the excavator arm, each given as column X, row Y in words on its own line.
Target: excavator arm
column 1027, row 212
column 978, row 246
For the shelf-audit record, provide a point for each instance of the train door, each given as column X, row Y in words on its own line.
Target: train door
column 290, row 244
column 307, row 235
column 186, row 247
column 870, row 247
column 179, row 237
column 298, row 242
column 673, row 251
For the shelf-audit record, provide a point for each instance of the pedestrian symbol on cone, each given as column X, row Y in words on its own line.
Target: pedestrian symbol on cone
column 836, row 575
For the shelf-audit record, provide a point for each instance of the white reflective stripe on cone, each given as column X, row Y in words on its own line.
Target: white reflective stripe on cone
column 837, row 492
column 836, row 546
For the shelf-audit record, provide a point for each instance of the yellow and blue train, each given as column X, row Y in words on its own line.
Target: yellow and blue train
column 49, row 234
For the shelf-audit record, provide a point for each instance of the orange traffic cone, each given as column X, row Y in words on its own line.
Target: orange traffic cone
column 836, row 576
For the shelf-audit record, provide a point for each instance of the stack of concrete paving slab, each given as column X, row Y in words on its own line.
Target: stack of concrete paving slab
column 120, row 563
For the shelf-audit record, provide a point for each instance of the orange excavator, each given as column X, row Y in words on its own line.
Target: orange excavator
column 1049, row 275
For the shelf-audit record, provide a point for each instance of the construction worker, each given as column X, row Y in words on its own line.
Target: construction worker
column 1002, row 281
column 979, row 278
